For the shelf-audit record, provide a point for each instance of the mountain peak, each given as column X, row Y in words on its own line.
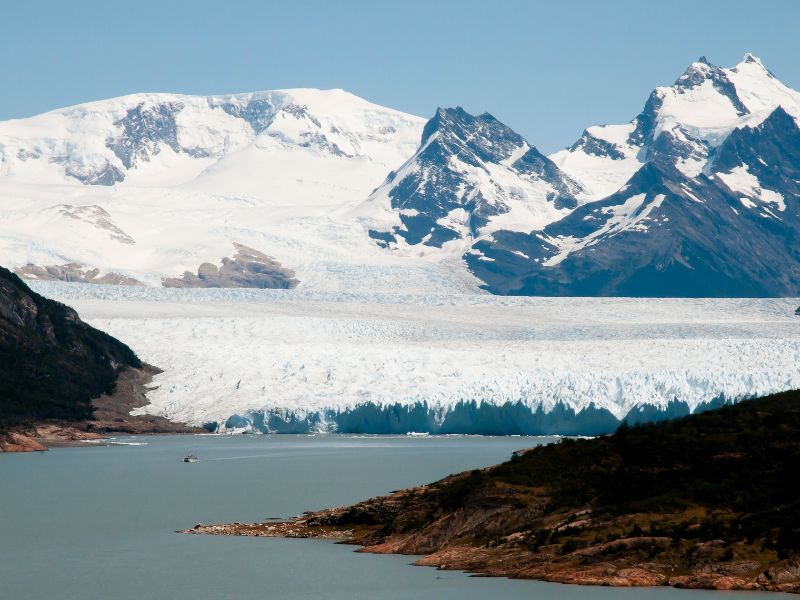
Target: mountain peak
column 452, row 112
column 696, row 73
column 443, row 118
column 750, row 58
column 481, row 135
column 469, row 172
column 754, row 66
column 780, row 114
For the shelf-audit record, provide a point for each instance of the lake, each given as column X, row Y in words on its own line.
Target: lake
column 99, row 522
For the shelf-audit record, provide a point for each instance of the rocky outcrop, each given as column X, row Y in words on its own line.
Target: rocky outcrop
column 248, row 268
column 110, row 416
column 17, row 442
column 73, row 272
column 112, row 412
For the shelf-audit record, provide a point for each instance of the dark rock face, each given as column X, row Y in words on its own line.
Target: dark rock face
column 597, row 147
column 258, row 112
column 142, row 130
column 435, row 181
column 770, row 151
column 248, row 268
column 645, row 122
column 108, row 175
column 664, row 235
column 52, row 364
column 383, row 238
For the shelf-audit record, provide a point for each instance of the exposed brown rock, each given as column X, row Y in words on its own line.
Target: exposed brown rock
column 96, row 216
column 73, row 272
column 17, row 442
column 619, row 564
column 248, row 268
column 53, row 433
column 112, row 411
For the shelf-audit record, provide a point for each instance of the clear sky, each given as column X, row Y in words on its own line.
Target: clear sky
column 547, row 69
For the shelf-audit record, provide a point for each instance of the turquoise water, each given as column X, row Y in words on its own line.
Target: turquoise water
column 99, row 522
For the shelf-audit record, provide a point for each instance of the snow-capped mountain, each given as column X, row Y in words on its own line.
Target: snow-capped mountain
column 681, row 125
column 149, row 187
column 158, row 139
column 471, row 175
column 707, row 203
column 695, row 196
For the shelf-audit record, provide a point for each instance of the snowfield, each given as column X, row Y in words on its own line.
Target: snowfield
column 300, row 360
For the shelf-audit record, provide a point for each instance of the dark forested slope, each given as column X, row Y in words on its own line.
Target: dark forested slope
column 52, row 364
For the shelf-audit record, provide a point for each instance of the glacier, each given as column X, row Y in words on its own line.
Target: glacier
column 246, row 360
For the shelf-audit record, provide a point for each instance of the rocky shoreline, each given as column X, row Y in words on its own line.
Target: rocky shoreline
column 111, row 416
column 511, row 558
column 13, row 441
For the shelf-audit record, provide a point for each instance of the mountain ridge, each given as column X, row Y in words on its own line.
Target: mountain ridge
column 701, row 212
column 469, row 172
column 322, row 182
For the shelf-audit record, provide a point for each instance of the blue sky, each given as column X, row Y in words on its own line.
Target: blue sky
column 547, row 69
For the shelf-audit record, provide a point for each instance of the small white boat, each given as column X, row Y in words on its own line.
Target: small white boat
column 190, row 458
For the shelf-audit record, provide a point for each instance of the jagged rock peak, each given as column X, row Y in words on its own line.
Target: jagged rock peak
column 469, row 171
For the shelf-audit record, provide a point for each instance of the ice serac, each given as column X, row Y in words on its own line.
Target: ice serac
column 471, row 175
column 697, row 196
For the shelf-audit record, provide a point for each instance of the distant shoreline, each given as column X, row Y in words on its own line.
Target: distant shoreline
column 111, row 417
